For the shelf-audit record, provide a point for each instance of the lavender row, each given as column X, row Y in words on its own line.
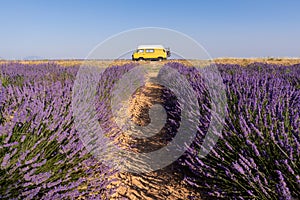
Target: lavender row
column 41, row 155
column 258, row 153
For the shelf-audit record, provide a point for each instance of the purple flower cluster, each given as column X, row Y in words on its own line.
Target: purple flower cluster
column 41, row 155
column 258, row 154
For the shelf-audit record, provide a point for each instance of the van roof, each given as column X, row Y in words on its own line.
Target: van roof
column 156, row 46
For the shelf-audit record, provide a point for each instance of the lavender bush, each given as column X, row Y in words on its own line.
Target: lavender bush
column 258, row 154
column 41, row 155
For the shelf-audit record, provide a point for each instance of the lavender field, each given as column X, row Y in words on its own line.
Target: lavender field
column 256, row 157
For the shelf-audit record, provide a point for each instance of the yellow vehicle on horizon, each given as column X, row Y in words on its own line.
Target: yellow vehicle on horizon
column 151, row 52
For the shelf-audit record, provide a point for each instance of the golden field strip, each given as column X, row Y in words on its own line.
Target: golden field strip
column 238, row 61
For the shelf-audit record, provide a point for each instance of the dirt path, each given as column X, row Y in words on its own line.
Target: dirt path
column 166, row 183
column 163, row 184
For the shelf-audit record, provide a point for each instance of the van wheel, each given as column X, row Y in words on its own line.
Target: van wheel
column 140, row 59
column 160, row 59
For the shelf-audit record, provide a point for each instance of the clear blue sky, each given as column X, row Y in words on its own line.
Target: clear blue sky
column 70, row 29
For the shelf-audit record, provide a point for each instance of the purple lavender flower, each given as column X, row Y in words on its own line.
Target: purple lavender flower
column 239, row 168
column 5, row 160
column 282, row 186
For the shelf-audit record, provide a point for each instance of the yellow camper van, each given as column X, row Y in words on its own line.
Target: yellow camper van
column 151, row 52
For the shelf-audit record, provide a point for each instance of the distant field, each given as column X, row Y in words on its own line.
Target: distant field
column 238, row 61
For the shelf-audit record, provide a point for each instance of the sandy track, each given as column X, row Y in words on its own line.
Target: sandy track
column 166, row 183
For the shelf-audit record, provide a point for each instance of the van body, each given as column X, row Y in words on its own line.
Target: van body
column 150, row 52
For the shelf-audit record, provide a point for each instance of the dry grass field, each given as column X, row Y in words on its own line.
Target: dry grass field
column 238, row 61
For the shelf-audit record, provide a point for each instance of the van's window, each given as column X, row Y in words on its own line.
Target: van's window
column 140, row 50
column 149, row 50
